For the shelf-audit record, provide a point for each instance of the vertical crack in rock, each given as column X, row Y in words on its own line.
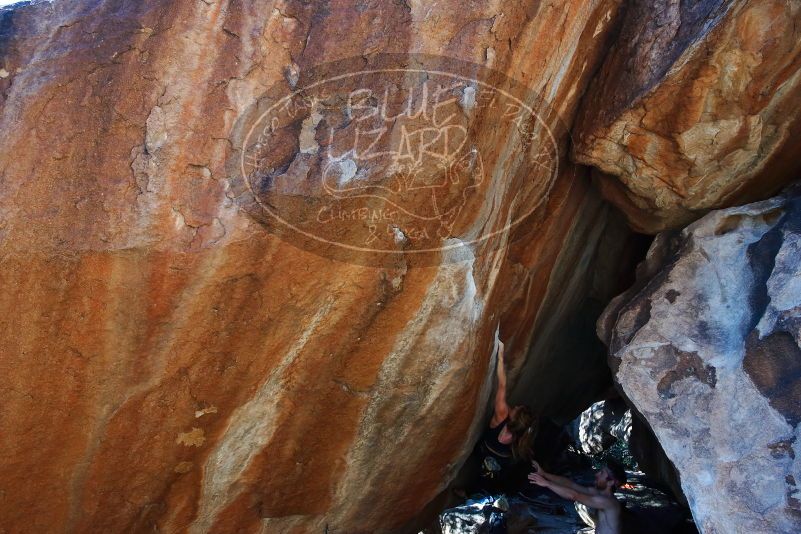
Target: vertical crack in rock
column 761, row 259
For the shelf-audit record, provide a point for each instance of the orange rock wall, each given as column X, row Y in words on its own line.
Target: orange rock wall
column 168, row 364
column 695, row 108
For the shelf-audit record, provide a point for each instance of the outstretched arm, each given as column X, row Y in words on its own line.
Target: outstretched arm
column 600, row 502
column 501, row 408
column 557, row 480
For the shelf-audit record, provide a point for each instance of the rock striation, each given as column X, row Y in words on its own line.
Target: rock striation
column 696, row 107
column 168, row 361
column 706, row 347
column 179, row 353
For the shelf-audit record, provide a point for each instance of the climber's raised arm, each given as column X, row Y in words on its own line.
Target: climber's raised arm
column 501, row 411
column 555, row 479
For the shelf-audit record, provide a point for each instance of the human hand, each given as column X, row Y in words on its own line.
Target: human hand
column 536, row 467
column 538, row 479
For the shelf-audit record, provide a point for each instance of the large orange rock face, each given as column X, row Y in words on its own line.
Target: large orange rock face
column 696, row 107
column 168, row 362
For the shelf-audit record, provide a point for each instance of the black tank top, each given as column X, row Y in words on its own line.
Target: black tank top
column 490, row 444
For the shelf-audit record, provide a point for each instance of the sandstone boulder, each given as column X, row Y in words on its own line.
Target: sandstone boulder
column 697, row 106
column 170, row 362
column 706, row 348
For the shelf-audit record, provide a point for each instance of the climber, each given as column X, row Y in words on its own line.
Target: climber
column 509, row 439
column 597, row 506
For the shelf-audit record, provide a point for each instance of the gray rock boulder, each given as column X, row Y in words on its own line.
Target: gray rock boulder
column 706, row 348
column 601, row 425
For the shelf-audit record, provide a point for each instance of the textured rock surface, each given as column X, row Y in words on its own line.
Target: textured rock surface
column 707, row 348
column 696, row 107
column 601, row 426
column 651, row 458
column 167, row 363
